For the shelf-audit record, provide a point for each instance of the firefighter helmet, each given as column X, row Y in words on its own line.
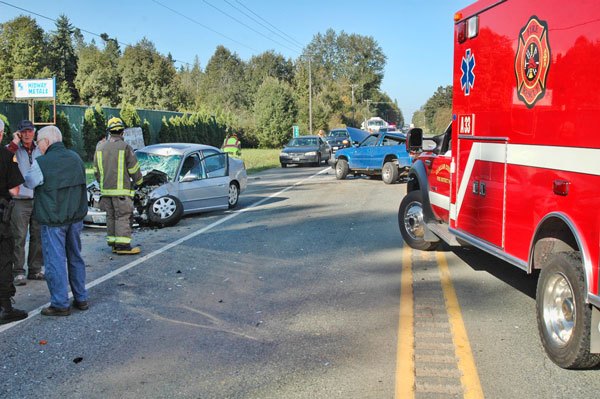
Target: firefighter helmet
column 115, row 125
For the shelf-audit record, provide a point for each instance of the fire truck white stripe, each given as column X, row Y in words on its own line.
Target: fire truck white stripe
column 440, row 200
column 568, row 159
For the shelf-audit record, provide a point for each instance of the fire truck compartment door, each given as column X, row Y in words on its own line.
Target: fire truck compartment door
column 481, row 185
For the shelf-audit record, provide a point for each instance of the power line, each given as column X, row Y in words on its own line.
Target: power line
column 247, row 26
column 204, row 26
column 263, row 25
column 273, row 26
column 81, row 29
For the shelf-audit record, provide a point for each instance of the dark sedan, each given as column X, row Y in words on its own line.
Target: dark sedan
column 305, row 150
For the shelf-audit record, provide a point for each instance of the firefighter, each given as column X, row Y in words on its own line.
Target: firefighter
column 232, row 145
column 117, row 171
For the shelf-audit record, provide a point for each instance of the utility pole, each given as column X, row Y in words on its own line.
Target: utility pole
column 309, row 98
column 352, row 86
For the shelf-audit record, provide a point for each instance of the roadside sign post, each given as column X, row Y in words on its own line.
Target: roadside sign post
column 295, row 131
column 36, row 89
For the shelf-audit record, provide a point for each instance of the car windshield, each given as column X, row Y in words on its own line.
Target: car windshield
column 165, row 163
column 338, row 133
column 302, row 142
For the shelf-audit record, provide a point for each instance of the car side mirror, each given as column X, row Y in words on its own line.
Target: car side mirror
column 188, row 178
column 414, row 139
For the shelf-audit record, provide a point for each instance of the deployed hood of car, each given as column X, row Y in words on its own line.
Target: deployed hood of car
column 357, row 135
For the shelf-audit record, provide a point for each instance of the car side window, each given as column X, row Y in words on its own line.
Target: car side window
column 216, row 165
column 192, row 168
column 370, row 141
column 389, row 140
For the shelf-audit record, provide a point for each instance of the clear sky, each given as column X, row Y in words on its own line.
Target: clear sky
column 415, row 35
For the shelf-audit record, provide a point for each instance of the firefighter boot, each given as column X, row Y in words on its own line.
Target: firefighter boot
column 8, row 314
column 126, row 249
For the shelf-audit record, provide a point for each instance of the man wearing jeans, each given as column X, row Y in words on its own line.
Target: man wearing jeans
column 58, row 177
column 22, row 221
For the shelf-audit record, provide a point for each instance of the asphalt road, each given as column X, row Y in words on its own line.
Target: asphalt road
column 296, row 294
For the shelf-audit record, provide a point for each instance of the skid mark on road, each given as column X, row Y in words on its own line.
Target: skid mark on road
column 439, row 353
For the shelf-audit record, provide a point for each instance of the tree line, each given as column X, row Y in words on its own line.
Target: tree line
column 260, row 98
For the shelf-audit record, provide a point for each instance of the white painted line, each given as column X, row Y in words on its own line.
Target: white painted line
column 159, row 251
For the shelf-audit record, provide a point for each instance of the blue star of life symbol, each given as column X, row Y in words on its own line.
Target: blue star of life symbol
column 467, row 80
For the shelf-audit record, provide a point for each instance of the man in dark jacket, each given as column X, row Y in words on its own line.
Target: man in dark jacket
column 10, row 178
column 60, row 205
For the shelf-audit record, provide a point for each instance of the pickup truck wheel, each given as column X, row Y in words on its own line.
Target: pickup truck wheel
column 411, row 223
column 389, row 173
column 341, row 169
column 284, row 165
column 564, row 319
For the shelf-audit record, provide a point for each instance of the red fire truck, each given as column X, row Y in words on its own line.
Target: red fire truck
column 517, row 173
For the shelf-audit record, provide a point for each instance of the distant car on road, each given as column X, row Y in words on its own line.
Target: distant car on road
column 382, row 154
column 305, row 150
column 179, row 179
column 338, row 139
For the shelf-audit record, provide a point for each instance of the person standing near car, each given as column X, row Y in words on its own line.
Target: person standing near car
column 232, row 145
column 22, row 221
column 58, row 177
column 10, row 179
column 117, row 171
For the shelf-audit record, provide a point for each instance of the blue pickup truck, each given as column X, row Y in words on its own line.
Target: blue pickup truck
column 382, row 154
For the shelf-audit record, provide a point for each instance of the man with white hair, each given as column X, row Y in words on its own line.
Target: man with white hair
column 58, row 177
column 10, row 179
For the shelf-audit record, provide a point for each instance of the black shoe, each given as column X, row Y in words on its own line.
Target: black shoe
column 52, row 311
column 36, row 276
column 126, row 249
column 8, row 314
column 81, row 305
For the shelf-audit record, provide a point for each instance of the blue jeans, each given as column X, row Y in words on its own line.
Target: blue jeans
column 64, row 264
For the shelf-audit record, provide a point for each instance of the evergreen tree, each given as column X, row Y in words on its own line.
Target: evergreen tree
column 23, row 51
column 63, row 61
column 98, row 79
column 94, row 129
column 275, row 112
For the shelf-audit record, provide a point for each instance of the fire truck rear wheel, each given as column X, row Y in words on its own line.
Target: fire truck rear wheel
column 563, row 317
column 411, row 223
column 341, row 169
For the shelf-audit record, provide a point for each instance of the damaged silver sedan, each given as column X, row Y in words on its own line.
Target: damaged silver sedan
column 179, row 179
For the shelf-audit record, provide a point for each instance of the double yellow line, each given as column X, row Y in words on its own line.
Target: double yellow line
column 405, row 365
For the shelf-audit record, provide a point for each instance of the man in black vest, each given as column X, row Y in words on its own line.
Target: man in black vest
column 58, row 177
column 10, row 179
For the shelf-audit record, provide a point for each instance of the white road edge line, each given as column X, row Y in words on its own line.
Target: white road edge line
column 159, row 251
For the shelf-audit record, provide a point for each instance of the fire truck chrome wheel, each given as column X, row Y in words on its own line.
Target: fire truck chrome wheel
column 559, row 309
column 411, row 223
column 564, row 318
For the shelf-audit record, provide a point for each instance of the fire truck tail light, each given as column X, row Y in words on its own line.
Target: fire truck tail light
column 561, row 187
column 472, row 27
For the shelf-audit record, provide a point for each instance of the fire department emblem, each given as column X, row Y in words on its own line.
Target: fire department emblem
column 532, row 61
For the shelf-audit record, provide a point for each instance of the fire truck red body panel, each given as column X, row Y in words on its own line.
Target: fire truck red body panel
column 526, row 105
column 517, row 173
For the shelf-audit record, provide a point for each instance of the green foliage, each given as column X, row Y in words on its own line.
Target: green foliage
column 197, row 128
column 418, row 120
column 23, row 51
column 275, row 112
column 7, row 132
column 130, row 116
column 224, row 85
column 94, row 129
column 63, row 124
column 98, row 80
column 442, row 98
column 63, row 61
column 147, row 77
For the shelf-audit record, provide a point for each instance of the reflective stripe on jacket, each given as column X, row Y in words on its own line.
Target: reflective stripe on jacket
column 116, row 168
